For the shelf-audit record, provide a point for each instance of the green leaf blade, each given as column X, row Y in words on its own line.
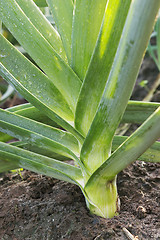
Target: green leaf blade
column 87, row 20
column 36, row 133
column 152, row 154
column 28, row 111
column 101, row 63
column 40, row 150
column 63, row 14
column 40, row 164
column 138, row 112
column 33, row 113
column 42, row 25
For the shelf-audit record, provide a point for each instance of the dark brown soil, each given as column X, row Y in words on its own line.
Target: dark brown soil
column 41, row 208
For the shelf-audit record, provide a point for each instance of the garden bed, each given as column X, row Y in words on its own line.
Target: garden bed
column 38, row 207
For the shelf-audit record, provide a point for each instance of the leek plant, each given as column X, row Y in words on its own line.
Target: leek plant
column 78, row 88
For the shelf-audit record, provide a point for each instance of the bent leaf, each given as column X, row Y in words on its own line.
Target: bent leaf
column 152, row 154
column 40, row 164
column 28, row 111
column 36, row 133
column 138, row 112
column 40, row 150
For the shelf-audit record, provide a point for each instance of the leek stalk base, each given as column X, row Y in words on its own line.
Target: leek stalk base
column 103, row 200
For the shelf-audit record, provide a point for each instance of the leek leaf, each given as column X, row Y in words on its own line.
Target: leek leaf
column 101, row 63
column 34, row 114
column 41, row 164
column 35, row 133
column 40, row 150
column 138, row 112
column 42, row 25
column 62, row 15
column 20, row 107
column 152, row 154
column 87, row 21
